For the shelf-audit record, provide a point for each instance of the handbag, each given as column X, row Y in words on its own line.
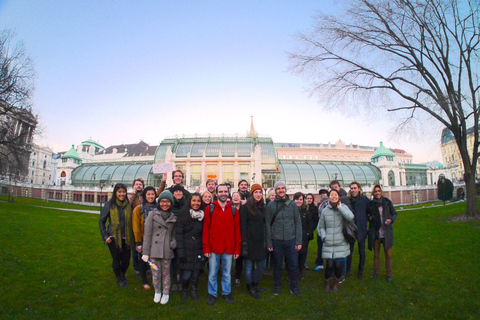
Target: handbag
column 349, row 230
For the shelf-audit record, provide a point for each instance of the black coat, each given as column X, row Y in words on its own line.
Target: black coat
column 376, row 222
column 190, row 245
column 361, row 218
column 308, row 227
column 313, row 212
column 252, row 228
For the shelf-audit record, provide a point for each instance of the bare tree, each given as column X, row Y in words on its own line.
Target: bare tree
column 423, row 53
column 17, row 123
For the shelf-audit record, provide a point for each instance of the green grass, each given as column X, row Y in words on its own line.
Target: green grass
column 51, row 203
column 55, row 266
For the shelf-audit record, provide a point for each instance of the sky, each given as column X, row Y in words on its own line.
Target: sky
column 124, row 71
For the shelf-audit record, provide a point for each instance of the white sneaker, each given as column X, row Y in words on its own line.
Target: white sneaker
column 156, row 298
column 165, row 298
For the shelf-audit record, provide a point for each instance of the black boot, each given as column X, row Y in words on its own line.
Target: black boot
column 124, row 279
column 194, row 294
column 119, row 276
column 252, row 291
column 185, row 284
column 257, row 288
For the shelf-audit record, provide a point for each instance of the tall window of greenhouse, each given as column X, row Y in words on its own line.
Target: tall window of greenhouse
column 244, row 171
column 212, row 171
column 228, row 173
column 195, row 174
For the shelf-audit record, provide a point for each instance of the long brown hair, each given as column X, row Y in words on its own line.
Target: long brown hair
column 253, row 207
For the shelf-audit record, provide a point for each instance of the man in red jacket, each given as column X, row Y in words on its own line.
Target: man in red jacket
column 221, row 240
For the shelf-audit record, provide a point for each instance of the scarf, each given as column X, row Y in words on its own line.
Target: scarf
column 378, row 202
column 165, row 215
column 147, row 208
column 197, row 214
column 353, row 199
column 115, row 220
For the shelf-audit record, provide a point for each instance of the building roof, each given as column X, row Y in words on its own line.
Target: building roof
column 382, row 151
column 72, row 154
column 447, row 135
column 91, row 142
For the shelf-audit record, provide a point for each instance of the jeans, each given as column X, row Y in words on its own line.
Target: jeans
column 285, row 249
column 361, row 252
column 376, row 257
column 213, row 264
column 319, row 260
column 253, row 275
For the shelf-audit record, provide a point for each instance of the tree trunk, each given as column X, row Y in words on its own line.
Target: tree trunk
column 471, row 192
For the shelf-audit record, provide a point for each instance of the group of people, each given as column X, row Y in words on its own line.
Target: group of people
column 175, row 233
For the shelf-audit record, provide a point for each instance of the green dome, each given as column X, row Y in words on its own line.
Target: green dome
column 383, row 152
column 71, row 154
column 91, row 142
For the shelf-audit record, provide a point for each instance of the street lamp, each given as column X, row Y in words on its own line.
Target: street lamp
column 102, row 184
column 265, row 186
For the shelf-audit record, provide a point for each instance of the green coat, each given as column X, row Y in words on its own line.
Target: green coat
column 287, row 224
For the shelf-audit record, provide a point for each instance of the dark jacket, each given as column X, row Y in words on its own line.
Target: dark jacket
column 105, row 215
column 253, row 233
column 360, row 212
column 344, row 198
column 287, row 224
column 313, row 212
column 190, row 246
column 376, row 222
column 244, row 196
column 308, row 227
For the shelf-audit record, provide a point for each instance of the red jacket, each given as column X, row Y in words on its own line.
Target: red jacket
column 221, row 233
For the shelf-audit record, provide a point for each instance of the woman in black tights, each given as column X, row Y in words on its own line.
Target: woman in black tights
column 336, row 248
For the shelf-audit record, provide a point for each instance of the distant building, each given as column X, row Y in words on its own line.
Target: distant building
column 451, row 154
column 39, row 168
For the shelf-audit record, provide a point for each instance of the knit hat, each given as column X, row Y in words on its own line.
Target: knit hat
column 165, row 195
column 176, row 187
column 279, row 183
column 255, row 187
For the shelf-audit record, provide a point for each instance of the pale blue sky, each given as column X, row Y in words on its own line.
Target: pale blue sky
column 121, row 71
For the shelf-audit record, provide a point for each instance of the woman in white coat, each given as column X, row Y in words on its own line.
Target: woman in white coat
column 335, row 248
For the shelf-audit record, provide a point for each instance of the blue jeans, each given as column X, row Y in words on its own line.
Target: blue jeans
column 213, row 264
column 251, row 275
column 285, row 249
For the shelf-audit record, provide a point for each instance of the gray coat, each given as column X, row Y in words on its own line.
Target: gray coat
column 287, row 224
column 335, row 246
column 159, row 238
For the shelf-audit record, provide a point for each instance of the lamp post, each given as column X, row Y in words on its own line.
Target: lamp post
column 102, row 184
column 265, row 186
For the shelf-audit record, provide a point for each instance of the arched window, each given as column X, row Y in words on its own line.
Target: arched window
column 391, row 178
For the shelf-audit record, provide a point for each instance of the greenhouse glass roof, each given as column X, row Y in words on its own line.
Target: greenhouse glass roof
column 308, row 174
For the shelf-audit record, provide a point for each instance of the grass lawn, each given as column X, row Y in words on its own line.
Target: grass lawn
column 55, row 266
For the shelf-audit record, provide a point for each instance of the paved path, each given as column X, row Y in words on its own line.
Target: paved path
column 65, row 209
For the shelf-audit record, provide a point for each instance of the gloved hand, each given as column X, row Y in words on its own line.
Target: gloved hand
column 145, row 257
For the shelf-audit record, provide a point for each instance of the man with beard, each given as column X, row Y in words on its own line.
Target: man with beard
column 221, row 242
column 359, row 203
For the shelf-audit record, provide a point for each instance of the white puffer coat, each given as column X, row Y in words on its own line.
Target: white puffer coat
column 335, row 246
